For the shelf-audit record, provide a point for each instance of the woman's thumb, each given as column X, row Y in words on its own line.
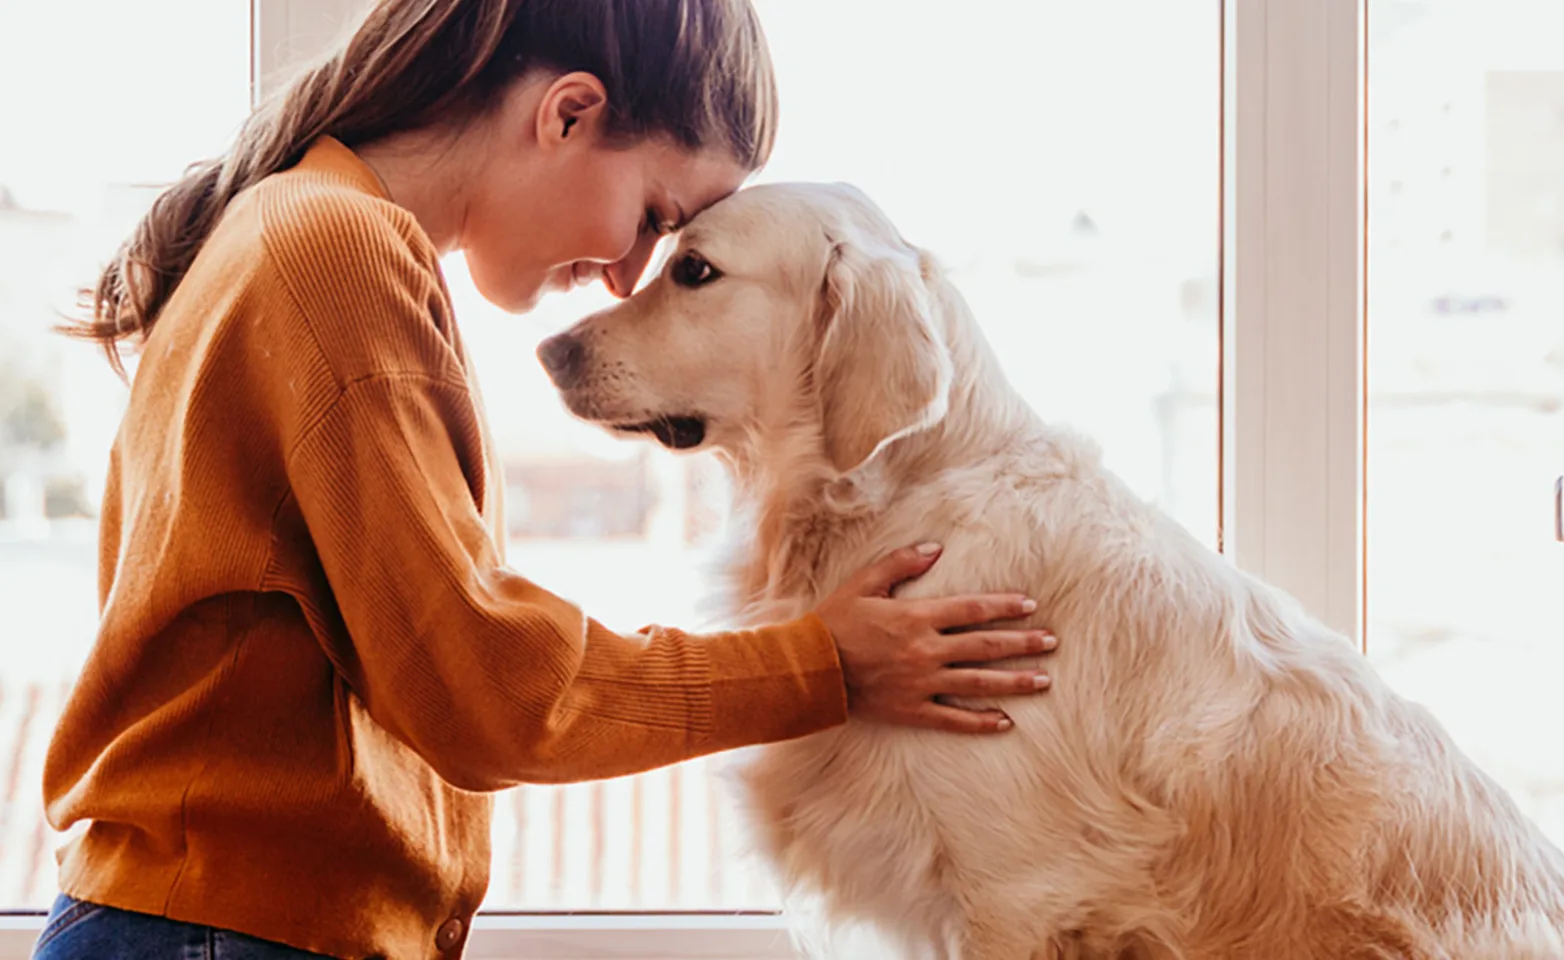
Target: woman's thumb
column 879, row 579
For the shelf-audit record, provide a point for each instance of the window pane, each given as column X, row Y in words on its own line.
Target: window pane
column 99, row 101
column 1466, row 376
column 1065, row 168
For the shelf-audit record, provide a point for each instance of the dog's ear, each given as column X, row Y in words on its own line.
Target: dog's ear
column 883, row 370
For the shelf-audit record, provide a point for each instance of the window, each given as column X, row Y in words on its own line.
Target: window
column 1466, row 378
column 101, row 101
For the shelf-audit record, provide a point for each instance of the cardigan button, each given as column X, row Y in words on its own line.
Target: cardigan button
column 449, row 935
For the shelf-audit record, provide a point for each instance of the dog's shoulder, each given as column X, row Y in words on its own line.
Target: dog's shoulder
column 1006, row 520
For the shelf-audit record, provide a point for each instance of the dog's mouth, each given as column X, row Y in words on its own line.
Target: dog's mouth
column 675, row 433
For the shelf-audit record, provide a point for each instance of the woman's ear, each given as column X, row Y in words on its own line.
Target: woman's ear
column 572, row 107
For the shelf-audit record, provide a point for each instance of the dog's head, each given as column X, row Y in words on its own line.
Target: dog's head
column 783, row 306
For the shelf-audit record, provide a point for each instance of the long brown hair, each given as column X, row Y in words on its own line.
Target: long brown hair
column 695, row 70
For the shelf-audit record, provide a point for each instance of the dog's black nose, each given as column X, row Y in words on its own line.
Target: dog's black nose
column 561, row 356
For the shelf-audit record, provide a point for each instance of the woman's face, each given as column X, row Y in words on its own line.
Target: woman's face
column 556, row 204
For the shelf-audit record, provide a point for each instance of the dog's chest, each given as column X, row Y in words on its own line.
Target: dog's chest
column 867, row 814
column 843, row 811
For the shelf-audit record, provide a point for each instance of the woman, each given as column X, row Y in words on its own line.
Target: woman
column 313, row 664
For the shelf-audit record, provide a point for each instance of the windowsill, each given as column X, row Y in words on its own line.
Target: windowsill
column 568, row 936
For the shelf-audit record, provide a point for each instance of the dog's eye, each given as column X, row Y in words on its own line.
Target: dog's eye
column 693, row 270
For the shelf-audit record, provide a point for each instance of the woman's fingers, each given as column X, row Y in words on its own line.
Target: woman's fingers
column 985, row 646
column 990, row 683
column 937, row 716
column 879, row 578
column 958, row 613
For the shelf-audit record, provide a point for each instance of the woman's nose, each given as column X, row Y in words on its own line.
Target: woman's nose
column 621, row 276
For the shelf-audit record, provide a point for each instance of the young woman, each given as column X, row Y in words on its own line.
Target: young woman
column 313, row 664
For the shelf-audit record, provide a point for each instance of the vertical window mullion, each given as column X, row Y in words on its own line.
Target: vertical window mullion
column 1294, row 248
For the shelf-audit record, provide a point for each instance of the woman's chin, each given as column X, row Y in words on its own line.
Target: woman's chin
column 515, row 300
column 513, row 290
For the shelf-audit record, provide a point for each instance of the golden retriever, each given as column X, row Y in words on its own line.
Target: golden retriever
column 1215, row 774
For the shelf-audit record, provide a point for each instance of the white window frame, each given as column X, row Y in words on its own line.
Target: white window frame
column 1292, row 386
column 1294, row 282
column 608, row 936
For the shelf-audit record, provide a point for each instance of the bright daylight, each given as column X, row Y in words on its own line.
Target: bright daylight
column 319, row 648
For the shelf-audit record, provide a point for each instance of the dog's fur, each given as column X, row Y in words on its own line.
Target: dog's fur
column 1214, row 774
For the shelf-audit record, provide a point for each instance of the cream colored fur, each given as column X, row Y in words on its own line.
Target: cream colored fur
column 1214, row 774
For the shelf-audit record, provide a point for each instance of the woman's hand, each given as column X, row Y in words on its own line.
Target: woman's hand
column 897, row 655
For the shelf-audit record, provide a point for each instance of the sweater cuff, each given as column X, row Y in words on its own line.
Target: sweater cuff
column 774, row 683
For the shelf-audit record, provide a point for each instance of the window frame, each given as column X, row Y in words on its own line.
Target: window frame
column 1292, row 334
column 567, row 936
column 1294, row 294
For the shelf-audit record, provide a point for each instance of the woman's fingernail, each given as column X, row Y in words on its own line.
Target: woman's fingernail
column 1050, row 641
column 1042, row 681
column 1003, row 723
column 1028, row 605
column 928, row 549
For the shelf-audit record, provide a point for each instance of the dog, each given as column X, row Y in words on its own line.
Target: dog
column 1215, row 774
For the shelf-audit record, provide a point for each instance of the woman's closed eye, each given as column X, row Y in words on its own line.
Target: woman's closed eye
column 657, row 224
column 694, row 270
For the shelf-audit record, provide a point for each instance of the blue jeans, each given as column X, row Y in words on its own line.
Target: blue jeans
column 86, row 931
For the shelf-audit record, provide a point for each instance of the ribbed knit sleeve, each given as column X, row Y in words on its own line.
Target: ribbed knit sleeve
column 489, row 677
